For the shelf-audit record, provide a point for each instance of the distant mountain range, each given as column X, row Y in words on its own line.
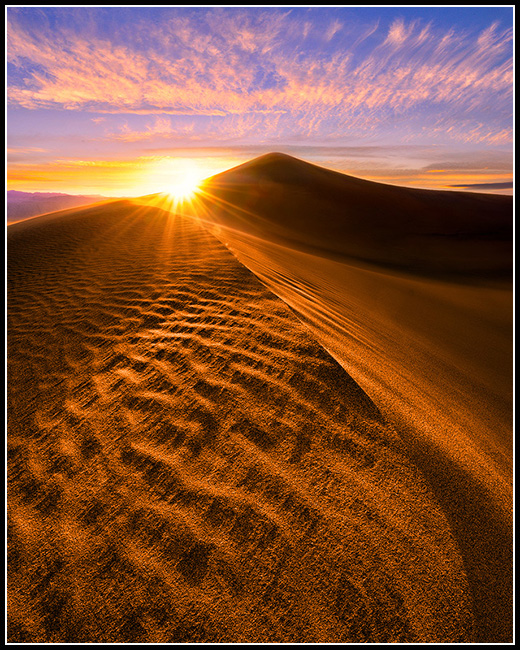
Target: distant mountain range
column 23, row 205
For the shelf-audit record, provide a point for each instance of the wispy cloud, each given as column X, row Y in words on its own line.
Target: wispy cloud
column 102, row 99
column 23, row 154
column 255, row 71
column 332, row 30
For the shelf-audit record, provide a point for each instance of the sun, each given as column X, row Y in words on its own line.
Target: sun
column 185, row 182
column 184, row 187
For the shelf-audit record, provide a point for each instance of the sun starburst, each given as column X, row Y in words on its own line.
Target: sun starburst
column 185, row 182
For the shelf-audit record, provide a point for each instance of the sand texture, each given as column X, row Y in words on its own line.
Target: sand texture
column 214, row 447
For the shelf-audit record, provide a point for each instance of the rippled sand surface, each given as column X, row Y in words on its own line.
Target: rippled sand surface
column 186, row 463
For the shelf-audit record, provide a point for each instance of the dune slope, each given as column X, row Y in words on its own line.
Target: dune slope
column 187, row 463
column 410, row 290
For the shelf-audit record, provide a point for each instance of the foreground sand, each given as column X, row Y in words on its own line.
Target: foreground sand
column 188, row 464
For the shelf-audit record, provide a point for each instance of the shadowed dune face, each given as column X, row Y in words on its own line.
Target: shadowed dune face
column 427, row 232
column 186, row 462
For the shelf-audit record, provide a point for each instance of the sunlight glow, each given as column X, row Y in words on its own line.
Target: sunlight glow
column 185, row 187
column 185, row 181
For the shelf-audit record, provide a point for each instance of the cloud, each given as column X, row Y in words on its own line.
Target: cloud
column 471, row 132
column 332, row 30
column 21, row 154
column 256, row 70
column 398, row 32
column 502, row 163
column 24, row 149
column 162, row 127
column 486, row 186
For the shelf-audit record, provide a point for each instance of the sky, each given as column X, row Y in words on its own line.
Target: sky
column 119, row 101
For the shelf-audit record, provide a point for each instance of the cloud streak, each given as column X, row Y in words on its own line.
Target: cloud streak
column 486, row 186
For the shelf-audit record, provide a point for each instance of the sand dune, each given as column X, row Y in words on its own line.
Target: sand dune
column 188, row 463
column 410, row 290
